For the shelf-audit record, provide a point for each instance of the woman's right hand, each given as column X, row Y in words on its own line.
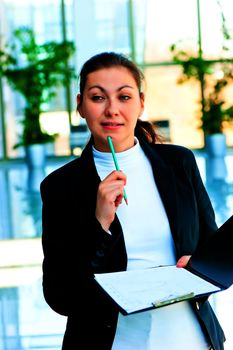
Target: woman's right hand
column 109, row 197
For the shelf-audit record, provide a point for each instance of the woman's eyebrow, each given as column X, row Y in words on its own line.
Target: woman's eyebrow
column 96, row 87
column 104, row 90
column 125, row 86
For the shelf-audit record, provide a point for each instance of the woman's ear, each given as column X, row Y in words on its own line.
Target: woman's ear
column 142, row 99
column 79, row 107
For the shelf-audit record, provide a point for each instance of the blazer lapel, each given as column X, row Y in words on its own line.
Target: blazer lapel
column 166, row 184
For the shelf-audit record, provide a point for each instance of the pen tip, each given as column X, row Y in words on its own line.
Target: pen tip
column 126, row 201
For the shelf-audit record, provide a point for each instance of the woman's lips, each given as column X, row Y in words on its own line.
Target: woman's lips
column 111, row 125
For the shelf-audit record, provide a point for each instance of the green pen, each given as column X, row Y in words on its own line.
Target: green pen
column 116, row 162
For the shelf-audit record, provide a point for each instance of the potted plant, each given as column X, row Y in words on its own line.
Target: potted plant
column 215, row 113
column 35, row 71
column 214, row 77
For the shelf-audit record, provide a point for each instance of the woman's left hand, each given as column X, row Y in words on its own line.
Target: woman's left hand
column 183, row 261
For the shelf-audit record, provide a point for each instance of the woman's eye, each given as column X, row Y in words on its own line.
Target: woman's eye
column 97, row 98
column 124, row 97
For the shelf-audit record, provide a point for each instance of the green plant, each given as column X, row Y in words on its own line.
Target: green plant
column 213, row 83
column 35, row 71
column 214, row 110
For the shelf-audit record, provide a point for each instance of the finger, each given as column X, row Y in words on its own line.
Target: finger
column 118, row 200
column 107, row 196
column 115, row 195
column 106, row 207
column 183, row 261
column 107, row 189
column 115, row 175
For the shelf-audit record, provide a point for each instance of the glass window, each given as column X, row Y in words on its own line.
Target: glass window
column 103, row 25
column 178, row 104
column 112, row 25
column 139, row 21
column 167, row 22
column 211, row 28
column 44, row 18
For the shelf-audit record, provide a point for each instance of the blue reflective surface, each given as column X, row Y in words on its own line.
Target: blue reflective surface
column 26, row 322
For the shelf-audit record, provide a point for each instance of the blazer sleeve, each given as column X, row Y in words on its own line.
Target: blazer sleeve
column 207, row 228
column 70, row 239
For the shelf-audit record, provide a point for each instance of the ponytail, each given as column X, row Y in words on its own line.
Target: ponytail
column 146, row 131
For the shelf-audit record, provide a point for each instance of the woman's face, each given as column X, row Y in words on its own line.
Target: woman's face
column 111, row 105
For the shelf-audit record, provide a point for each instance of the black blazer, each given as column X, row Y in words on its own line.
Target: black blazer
column 75, row 245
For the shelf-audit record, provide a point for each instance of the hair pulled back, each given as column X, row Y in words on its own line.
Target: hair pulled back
column 144, row 129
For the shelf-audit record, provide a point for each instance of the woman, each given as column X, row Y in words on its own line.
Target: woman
column 88, row 228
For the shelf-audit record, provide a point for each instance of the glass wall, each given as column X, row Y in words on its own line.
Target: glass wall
column 144, row 30
column 212, row 38
column 45, row 18
column 92, row 29
column 165, row 25
column 171, row 22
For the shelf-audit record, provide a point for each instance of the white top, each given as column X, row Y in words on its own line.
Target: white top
column 149, row 243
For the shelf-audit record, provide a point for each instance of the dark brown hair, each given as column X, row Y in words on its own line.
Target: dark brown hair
column 103, row 60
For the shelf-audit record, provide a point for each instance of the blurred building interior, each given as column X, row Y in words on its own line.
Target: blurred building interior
column 146, row 31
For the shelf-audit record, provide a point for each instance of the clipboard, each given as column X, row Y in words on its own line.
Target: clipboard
column 210, row 270
column 214, row 261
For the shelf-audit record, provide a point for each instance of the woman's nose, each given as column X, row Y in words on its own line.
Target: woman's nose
column 111, row 108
